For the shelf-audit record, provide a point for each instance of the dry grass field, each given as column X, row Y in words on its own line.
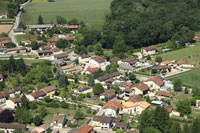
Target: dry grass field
column 5, row 28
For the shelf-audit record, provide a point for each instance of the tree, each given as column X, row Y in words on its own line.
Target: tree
column 2, row 85
column 177, row 85
column 10, row 45
column 40, row 20
column 21, row 66
column 132, row 77
column 25, row 102
column 98, row 89
column 22, row 115
column 22, row 25
column 145, row 120
column 79, row 115
column 195, row 128
column 62, row 43
column 158, row 59
column 151, row 130
column 175, row 128
column 184, row 107
column 43, row 78
column 34, row 45
column 62, row 81
column 42, row 112
column 60, row 20
column 186, row 91
column 148, row 57
column 186, row 128
column 37, row 120
column 58, row 73
column 12, row 64
column 91, row 80
column 6, row 116
column 73, row 22
column 98, row 49
column 64, row 105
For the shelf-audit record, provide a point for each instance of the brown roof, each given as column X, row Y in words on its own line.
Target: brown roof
column 102, row 119
column 49, row 89
column 55, row 49
column 17, row 89
column 44, row 51
column 114, row 104
column 150, row 48
column 109, row 93
column 128, row 89
column 37, row 94
column 121, row 125
column 92, row 70
column 115, row 59
column 2, row 94
column 157, row 80
column 108, row 76
column 62, row 55
column 99, row 59
column 141, row 86
column 130, row 60
column 161, row 67
column 11, row 126
column 16, row 100
column 85, row 56
column 83, row 88
column 5, row 39
column 165, row 94
column 135, row 98
column 85, row 129
column 1, row 76
column 181, row 62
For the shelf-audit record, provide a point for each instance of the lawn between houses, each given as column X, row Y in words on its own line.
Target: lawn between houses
column 92, row 12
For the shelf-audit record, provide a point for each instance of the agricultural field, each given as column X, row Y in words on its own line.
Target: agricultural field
column 92, row 12
column 5, row 28
column 3, row 5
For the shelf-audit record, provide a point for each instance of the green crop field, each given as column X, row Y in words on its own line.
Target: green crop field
column 92, row 12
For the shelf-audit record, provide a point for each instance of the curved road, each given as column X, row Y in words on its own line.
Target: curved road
column 17, row 20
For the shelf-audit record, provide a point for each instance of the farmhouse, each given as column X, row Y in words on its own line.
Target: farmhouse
column 164, row 94
column 10, row 127
column 109, row 94
column 49, row 90
column 135, row 98
column 121, row 125
column 104, row 122
column 112, row 108
column 4, row 40
column 151, row 50
column 59, row 120
column 69, row 69
column 11, row 93
column 162, row 67
column 37, row 95
column 107, row 77
column 130, row 61
column 40, row 27
column 18, row 31
column 84, row 58
column 61, row 56
column 155, row 83
column 183, row 63
column 13, row 103
column 98, row 62
column 92, row 70
column 141, row 89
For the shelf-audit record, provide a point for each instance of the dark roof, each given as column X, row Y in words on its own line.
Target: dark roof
column 109, row 93
column 150, row 48
column 141, row 86
column 44, row 51
column 102, row 119
column 130, row 60
column 121, row 125
column 19, row 30
column 108, row 76
column 135, row 98
column 62, row 55
column 37, row 94
column 2, row 94
column 85, row 56
column 11, row 126
column 16, row 100
column 49, row 89
column 81, row 89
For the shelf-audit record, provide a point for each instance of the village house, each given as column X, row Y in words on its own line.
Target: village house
column 99, row 62
column 72, row 28
column 155, row 83
column 104, row 122
column 59, row 120
column 37, row 95
column 40, row 27
column 11, row 127
column 92, row 70
column 49, row 90
column 19, row 31
column 163, row 68
column 4, row 40
column 112, row 108
column 84, row 58
column 183, row 63
column 2, row 97
column 12, row 92
column 135, row 98
column 128, row 92
column 41, row 129
column 56, row 50
column 12, row 103
column 86, row 129
column 61, row 56
column 102, row 80
column 1, row 77
column 71, row 68
column 150, row 50
column 130, row 61
column 83, row 90
column 134, row 108
column 123, row 85
column 121, row 125
column 109, row 94
column 163, row 94
column 141, row 89
column 168, row 63
column 3, row 15
column 44, row 52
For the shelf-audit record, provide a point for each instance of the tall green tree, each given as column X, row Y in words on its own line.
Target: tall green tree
column 175, row 128
column 184, row 107
column 177, row 85
column 40, row 20
column 22, row 115
column 98, row 89
column 195, row 128
column 62, row 81
column 12, row 64
column 25, row 102
column 91, row 80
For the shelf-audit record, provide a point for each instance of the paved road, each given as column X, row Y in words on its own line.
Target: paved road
column 17, row 20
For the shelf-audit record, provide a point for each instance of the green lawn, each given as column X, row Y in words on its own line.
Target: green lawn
column 3, row 5
column 188, row 78
column 92, row 12
column 183, row 53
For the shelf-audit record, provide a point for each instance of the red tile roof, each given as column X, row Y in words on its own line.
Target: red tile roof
column 165, row 94
column 157, row 80
column 141, row 86
column 161, row 67
column 92, row 70
column 98, row 59
column 73, row 26
column 128, row 89
column 113, row 104
column 130, row 60
column 2, row 95
column 85, row 129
